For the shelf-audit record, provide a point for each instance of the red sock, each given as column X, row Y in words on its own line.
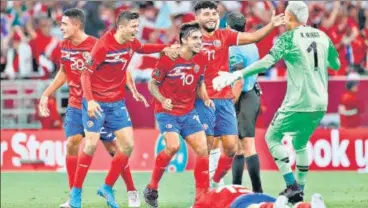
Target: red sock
column 84, row 162
column 223, row 167
column 71, row 167
column 119, row 161
column 201, row 176
column 162, row 161
column 127, row 177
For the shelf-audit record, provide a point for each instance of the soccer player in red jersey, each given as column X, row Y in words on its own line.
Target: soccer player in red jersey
column 221, row 120
column 175, row 86
column 236, row 196
column 103, row 83
column 74, row 50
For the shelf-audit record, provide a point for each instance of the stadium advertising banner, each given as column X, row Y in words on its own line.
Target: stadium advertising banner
column 45, row 151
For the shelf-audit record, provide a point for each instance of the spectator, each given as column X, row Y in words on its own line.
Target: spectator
column 349, row 108
column 19, row 56
column 5, row 22
column 43, row 47
column 94, row 24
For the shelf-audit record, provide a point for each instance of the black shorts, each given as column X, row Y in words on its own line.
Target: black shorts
column 247, row 109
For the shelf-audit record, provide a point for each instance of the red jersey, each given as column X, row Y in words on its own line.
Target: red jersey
column 73, row 59
column 358, row 50
column 216, row 48
column 109, row 60
column 221, row 197
column 179, row 80
column 351, row 102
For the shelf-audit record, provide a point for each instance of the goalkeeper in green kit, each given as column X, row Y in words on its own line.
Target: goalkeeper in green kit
column 307, row 52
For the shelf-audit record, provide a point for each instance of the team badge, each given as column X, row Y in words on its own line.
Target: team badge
column 217, row 43
column 196, row 68
column 87, row 56
column 157, row 73
column 90, row 124
column 169, row 126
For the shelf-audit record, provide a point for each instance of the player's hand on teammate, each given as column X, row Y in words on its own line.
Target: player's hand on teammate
column 167, row 105
column 209, row 103
column 172, row 52
column 94, row 109
column 225, row 79
column 277, row 20
column 42, row 107
column 140, row 98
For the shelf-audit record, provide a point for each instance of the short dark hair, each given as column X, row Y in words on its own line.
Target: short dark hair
column 126, row 15
column 204, row 5
column 187, row 28
column 236, row 21
column 77, row 14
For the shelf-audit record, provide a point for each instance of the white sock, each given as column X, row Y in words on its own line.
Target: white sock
column 213, row 161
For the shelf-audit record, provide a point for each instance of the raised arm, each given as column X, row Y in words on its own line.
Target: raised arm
column 278, row 51
column 170, row 51
column 151, row 48
column 333, row 57
column 247, row 38
column 260, row 66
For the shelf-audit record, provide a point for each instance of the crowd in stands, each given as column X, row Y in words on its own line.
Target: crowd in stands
column 30, row 31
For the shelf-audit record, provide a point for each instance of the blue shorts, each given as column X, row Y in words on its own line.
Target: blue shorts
column 220, row 121
column 184, row 125
column 73, row 125
column 114, row 117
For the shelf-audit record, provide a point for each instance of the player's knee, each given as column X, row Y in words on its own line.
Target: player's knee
column 90, row 149
column 240, row 151
column 249, row 147
column 74, row 140
column 201, row 151
column 127, row 148
column 172, row 149
column 110, row 148
column 72, row 144
column 230, row 150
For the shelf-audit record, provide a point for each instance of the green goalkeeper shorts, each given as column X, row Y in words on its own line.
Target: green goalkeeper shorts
column 299, row 125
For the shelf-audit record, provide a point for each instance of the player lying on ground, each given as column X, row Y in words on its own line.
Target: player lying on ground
column 103, row 83
column 221, row 121
column 247, row 106
column 236, row 196
column 73, row 49
column 175, row 85
column 307, row 53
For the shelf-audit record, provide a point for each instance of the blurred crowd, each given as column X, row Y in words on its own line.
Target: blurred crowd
column 30, row 31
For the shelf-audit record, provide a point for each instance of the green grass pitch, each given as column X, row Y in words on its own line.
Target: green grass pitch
column 44, row 190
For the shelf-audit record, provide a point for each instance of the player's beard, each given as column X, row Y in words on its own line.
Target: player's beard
column 209, row 30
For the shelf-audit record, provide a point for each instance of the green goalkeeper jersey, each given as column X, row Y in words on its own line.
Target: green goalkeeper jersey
column 307, row 52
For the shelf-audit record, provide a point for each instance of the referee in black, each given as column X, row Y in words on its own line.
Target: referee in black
column 247, row 105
